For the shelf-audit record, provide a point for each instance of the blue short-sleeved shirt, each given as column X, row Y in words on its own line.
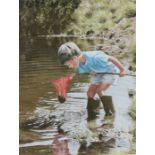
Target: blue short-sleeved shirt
column 96, row 61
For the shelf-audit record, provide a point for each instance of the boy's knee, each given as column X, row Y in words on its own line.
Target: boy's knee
column 90, row 94
column 100, row 93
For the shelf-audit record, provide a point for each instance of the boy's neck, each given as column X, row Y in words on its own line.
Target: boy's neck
column 82, row 59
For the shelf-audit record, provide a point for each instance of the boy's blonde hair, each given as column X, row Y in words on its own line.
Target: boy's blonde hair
column 67, row 51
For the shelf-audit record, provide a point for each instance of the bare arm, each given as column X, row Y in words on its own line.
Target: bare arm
column 117, row 63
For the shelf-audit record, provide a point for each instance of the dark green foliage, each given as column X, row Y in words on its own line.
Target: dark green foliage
column 89, row 14
column 45, row 16
column 130, row 12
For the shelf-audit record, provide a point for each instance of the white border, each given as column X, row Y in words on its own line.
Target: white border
column 9, row 79
column 145, row 77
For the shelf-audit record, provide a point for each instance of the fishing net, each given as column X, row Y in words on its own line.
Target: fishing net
column 61, row 87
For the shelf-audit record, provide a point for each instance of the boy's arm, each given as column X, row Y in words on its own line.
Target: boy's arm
column 117, row 64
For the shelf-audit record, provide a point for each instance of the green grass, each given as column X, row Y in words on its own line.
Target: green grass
column 100, row 15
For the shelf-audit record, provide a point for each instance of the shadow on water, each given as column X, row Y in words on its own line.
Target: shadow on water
column 48, row 127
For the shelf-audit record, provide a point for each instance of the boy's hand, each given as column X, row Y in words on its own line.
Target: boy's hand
column 93, row 73
column 122, row 73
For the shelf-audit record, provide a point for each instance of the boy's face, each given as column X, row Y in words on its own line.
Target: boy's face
column 73, row 63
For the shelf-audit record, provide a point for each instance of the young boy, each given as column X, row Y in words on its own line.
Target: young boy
column 94, row 63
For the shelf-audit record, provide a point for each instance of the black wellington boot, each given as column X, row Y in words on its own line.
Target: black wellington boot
column 92, row 107
column 107, row 105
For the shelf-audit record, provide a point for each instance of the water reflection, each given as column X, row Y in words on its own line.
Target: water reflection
column 60, row 145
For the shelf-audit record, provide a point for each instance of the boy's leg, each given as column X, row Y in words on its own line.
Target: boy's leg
column 108, row 105
column 92, row 91
column 106, row 100
column 92, row 103
column 102, row 88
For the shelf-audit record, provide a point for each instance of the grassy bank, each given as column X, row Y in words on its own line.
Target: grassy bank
column 97, row 16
